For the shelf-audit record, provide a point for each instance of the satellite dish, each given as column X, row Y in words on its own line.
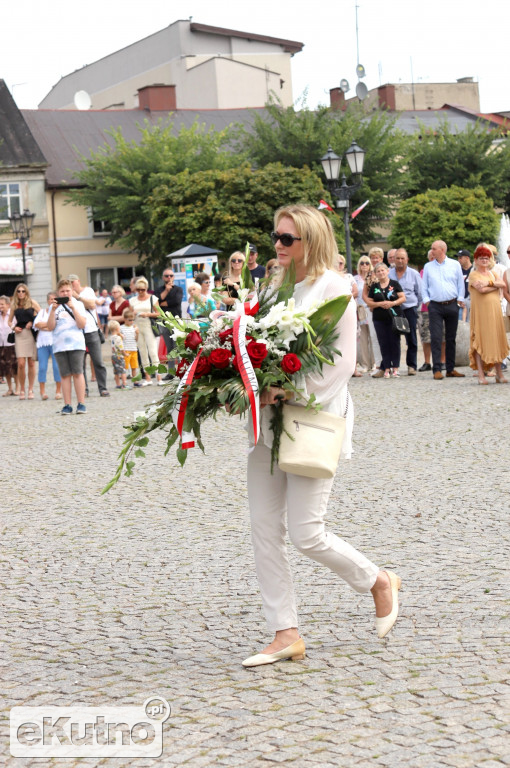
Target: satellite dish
column 361, row 91
column 82, row 100
column 344, row 85
column 360, row 70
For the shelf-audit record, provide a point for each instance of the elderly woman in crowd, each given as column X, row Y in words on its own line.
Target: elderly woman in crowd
column 365, row 352
column 384, row 296
column 488, row 342
column 23, row 311
column 8, row 363
column 281, row 501
column 118, row 305
column 376, row 256
column 232, row 278
column 144, row 306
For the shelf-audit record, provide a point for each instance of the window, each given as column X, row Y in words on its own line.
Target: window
column 10, row 200
column 101, row 227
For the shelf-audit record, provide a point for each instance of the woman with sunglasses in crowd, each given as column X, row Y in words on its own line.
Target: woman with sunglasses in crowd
column 145, row 308
column 365, row 352
column 280, row 501
column 24, row 310
column 231, row 281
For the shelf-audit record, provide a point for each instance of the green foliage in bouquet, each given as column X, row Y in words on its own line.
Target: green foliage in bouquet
column 278, row 354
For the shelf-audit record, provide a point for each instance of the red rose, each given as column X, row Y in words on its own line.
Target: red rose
column 235, row 364
column 226, row 335
column 203, row 367
column 220, row 358
column 291, row 363
column 192, row 340
column 181, row 368
column 257, row 353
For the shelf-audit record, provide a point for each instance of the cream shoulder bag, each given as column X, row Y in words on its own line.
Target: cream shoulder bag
column 313, row 448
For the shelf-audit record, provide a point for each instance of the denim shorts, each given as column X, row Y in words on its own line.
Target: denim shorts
column 70, row 363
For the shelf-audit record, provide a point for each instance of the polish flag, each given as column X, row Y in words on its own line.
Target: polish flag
column 15, row 244
column 323, row 204
column 358, row 210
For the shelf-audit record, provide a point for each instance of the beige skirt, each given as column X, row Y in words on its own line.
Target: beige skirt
column 24, row 344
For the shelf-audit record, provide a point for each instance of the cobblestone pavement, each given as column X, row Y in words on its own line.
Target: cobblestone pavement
column 151, row 588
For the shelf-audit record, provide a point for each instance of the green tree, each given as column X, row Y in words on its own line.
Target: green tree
column 300, row 138
column 460, row 217
column 118, row 178
column 476, row 157
column 224, row 209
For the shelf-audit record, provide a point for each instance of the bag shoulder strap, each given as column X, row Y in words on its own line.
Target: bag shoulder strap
column 93, row 317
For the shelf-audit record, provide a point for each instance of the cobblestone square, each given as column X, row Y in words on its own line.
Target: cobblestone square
column 151, row 590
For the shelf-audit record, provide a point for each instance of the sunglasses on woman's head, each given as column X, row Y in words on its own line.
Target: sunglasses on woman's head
column 286, row 239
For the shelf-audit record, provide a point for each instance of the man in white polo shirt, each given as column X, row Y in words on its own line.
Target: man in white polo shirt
column 86, row 295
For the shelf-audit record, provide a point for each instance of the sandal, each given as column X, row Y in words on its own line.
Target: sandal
column 8, row 393
column 30, row 395
column 58, row 396
column 44, row 397
column 21, row 395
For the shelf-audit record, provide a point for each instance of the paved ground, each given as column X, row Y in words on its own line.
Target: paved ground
column 151, row 589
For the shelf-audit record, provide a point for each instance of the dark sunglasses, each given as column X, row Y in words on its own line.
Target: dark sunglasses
column 235, row 261
column 21, row 290
column 168, row 275
column 285, row 239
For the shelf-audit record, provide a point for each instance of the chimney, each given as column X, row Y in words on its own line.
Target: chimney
column 336, row 98
column 386, row 95
column 157, row 98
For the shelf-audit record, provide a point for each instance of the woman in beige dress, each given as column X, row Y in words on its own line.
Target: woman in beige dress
column 144, row 306
column 24, row 309
column 488, row 343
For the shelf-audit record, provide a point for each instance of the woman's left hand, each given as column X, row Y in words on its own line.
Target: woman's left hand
column 271, row 396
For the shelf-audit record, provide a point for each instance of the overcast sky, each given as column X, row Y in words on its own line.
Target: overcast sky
column 446, row 40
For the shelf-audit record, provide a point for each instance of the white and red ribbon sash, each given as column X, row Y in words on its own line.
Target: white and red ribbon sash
column 247, row 372
column 179, row 412
column 251, row 307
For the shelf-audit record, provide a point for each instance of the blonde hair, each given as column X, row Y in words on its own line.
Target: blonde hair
column 142, row 281
column 194, row 285
column 119, row 288
column 376, row 250
column 128, row 312
column 364, row 260
column 113, row 325
column 317, row 236
column 15, row 299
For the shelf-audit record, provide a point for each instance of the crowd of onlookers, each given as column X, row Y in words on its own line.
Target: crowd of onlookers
column 77, row 320
column 432, row 301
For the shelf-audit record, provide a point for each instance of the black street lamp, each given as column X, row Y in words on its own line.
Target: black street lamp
column 21, row 225
column 331, row 163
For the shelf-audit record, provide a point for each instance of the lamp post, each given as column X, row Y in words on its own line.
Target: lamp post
column 331, row 163
column 21, row 225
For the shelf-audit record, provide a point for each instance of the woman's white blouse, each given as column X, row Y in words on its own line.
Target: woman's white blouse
column 330, row 387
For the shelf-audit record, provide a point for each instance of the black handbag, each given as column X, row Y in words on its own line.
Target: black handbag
column 399, row 324
column 11, row 337
column 156, row 329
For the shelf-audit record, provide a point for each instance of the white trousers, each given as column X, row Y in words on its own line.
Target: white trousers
column 303, row 501
column 147, row 344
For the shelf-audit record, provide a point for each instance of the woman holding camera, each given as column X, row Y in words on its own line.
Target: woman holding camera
column 24, row 310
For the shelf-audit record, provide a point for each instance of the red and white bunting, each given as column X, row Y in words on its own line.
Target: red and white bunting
column 358, row 210
column 179, row 412
column 324, row 205
column 247, row 372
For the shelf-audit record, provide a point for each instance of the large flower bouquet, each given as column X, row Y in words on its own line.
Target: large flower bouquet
column 264, row 341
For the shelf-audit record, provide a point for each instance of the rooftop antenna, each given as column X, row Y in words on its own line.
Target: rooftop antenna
column 356, row 6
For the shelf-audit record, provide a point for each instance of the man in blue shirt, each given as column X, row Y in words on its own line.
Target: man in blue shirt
column 410, row 281
column 443, row 292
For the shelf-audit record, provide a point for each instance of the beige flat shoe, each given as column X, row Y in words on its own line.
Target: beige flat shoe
column 296, row 652
column 385, row 623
